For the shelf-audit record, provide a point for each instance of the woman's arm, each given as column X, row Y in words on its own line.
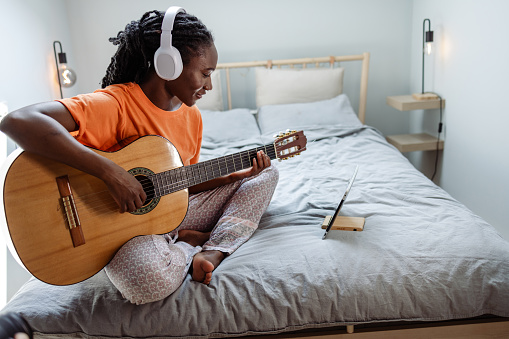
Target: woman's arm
column 44, row 129
column 261, row 162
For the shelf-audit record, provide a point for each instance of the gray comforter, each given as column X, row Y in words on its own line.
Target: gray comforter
column 422, row 256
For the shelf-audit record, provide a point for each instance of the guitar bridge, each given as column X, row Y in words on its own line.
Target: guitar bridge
column 70, row 212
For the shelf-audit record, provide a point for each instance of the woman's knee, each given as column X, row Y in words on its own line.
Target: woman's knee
column 273, row 174
column 147, row 268
column 270, row 177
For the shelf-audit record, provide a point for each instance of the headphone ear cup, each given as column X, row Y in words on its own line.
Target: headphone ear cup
column 168, row 63
column 179, row 65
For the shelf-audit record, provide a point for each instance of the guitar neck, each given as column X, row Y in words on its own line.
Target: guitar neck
column 183, row 177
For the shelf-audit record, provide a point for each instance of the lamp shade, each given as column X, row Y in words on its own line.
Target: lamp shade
column 429, row 36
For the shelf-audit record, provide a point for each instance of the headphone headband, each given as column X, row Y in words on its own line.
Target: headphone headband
column 167, row 25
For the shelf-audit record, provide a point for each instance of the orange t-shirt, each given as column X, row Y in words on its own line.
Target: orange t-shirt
column 115, row 116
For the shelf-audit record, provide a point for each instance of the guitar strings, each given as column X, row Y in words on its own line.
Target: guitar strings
column 91, row 200
column 203, row 172
column 178, row 178
column 183, row 183
column 160, row 180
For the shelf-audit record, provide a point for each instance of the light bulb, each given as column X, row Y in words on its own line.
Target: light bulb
column 427, row 48
column 67, row 75
column 428, row 40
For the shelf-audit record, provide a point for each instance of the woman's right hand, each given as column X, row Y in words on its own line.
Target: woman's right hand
column 125, row 189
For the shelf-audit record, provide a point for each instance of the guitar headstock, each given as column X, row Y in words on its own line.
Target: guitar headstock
column 289, row 144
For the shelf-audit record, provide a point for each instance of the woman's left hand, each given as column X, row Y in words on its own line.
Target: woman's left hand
column 261, row 162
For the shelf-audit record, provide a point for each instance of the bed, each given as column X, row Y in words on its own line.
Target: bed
column 424, row 265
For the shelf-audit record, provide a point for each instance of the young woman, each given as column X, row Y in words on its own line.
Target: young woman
column 133, row 102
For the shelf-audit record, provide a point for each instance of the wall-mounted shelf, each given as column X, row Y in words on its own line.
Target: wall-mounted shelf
column 414, row 142
column 408, row 103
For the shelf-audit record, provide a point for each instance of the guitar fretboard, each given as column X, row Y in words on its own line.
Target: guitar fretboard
column 186, row 176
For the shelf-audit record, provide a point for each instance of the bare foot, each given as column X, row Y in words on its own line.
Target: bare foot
column 193, row 238
column 204, row 263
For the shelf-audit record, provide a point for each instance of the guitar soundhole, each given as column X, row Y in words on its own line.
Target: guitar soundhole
column 142, row 175
column 148, row 187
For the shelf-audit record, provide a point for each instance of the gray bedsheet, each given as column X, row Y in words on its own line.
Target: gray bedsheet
column 422, row 256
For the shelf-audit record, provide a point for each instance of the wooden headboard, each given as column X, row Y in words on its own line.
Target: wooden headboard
column 317, row 62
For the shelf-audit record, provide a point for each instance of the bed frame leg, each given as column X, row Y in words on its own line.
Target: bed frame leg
column 349, row 329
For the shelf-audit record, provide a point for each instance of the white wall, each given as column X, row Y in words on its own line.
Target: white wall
column 28, row 29
column 27, row 71
column 267, row 29
column 470, row 70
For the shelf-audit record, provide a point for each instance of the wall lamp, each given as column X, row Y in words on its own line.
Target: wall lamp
column 66, row 76
column 427, row 40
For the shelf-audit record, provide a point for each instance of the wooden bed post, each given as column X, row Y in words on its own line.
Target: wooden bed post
column 364, row 87
column 228, row 88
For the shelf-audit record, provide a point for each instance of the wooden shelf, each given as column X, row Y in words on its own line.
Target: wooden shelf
column 408, row 103
column 415, row 142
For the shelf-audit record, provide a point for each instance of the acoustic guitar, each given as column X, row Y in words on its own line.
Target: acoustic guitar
column 64, row 225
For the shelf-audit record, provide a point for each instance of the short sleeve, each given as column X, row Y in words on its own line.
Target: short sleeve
column 99, row 118
column 199, row 138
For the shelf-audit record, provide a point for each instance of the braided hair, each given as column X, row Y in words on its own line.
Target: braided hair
column 138, row 42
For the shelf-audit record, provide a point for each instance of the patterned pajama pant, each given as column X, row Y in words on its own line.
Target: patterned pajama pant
column 150, row 268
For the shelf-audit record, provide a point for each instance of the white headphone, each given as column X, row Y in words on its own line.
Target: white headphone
column 167, row 59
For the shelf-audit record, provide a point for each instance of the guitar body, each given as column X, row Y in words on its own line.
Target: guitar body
column 38, row 225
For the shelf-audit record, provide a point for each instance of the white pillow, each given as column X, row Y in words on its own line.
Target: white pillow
column 287, row 86
column 228, row 126
column 213, row 100
column 337, row 111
